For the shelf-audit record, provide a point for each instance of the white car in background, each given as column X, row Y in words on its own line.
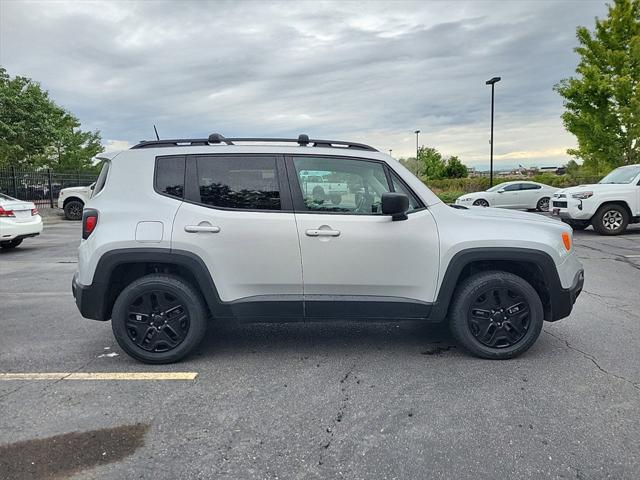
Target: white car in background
column 518, row 195
column 18, row 220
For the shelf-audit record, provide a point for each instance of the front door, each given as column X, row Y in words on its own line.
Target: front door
column 509, row 196
column 356, row 261
column 238, row 219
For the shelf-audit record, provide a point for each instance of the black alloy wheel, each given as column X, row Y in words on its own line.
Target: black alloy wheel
column 157, row 321
column 499, row 317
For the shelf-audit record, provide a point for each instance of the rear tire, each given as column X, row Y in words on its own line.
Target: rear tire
column 496, row 315
column 163, row 330
column 73, row 210
column 610, row 220
column 11, row 244
column 543, row 204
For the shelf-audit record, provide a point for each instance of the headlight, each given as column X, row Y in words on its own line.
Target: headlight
column 582, row 195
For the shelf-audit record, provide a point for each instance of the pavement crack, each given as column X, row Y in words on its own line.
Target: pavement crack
column 594, row 360
column 604, row 299
column 344, row 381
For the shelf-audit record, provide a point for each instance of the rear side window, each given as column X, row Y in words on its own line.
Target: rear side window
column 529, row 186
column 247, row 183
column 102, row 178
column 170, row 176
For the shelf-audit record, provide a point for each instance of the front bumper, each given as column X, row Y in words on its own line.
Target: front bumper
column 563, row 301
column 571, row 208
column 89, row 299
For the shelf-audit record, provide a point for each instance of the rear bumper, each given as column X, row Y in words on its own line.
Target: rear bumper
column 562, row 304
column 11, row 230
column 89, row 299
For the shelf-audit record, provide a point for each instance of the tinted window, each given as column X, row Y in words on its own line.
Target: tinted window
column 398, row 186
column 249, row 183
column 512, row 188
column 102, row 178
column 170, row 176
column 341, row 185
column 529, row 186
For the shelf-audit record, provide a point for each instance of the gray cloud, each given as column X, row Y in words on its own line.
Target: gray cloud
column 368, row 71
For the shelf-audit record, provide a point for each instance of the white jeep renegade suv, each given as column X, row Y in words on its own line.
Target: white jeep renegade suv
column 610, row 205
column 178, row 231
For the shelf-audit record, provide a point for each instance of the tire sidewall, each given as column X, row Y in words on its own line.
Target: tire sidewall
column 188, row 297
column 470, row 289
column 539, row 208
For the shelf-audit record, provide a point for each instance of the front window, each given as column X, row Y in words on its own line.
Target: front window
column 341, row 184
column 500, row 186
column 622, row 175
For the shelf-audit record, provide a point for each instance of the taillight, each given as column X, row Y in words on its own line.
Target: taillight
column 6, row 213
column 34, row 211
column 89, row 222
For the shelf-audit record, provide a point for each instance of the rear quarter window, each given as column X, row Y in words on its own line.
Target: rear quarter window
column 169, row 178
column 102, row 178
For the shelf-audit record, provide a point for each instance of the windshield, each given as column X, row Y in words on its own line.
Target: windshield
column 495, row 188
column 622, row 175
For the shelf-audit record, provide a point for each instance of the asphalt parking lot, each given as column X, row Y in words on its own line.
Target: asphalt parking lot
column 337, row 400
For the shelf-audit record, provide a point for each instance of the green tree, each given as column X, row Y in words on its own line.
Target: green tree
column 34, row 131
column 455, row 168
column 603, row 101
column 430, row 163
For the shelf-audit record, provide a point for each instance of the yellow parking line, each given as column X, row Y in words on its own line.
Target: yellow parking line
column 101, row 376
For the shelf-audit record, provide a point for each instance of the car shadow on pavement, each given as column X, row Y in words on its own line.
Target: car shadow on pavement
column 334, row 336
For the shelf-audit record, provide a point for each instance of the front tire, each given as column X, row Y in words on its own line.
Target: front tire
column 481, row 202
column 543, row 204
column 159, row 319
column 610, row 220
column 496, row 315
column 11, row 243
column 73, row 210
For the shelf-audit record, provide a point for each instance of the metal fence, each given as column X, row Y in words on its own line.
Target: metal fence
column 40, row 186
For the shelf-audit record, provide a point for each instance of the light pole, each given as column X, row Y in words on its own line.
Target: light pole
column 390, row 150
column 492, row 82
column 417, row 132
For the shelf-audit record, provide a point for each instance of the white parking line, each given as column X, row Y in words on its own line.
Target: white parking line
column 632, row 256
column 100, row 376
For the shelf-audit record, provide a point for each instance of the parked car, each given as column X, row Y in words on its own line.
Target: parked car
column 610, row 205
column 519, row 195
column 73, row 199
column 178, row 231
column 18, row 220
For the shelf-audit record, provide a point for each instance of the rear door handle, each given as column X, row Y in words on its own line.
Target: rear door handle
column 323, row 233
column 201, row 228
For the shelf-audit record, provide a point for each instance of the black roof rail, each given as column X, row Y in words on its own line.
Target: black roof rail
column 216, row 138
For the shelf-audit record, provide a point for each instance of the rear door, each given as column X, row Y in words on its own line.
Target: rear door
column 356, row 261
column 529, row 195
column 509, row 196
column 238, row 218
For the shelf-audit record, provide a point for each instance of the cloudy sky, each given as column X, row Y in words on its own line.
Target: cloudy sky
column 363, row 71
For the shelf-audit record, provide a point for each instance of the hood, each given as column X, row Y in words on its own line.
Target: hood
column 501, row 213
column 76, row 189
column 594, row 187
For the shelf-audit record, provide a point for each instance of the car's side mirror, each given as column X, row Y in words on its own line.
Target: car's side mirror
column 396, row 205
column 500, row 191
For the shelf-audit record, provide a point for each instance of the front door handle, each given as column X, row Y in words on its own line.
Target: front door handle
column 201, row 228
column 323, row 233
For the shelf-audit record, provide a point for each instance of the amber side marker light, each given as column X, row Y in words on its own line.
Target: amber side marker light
column 566, row 240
